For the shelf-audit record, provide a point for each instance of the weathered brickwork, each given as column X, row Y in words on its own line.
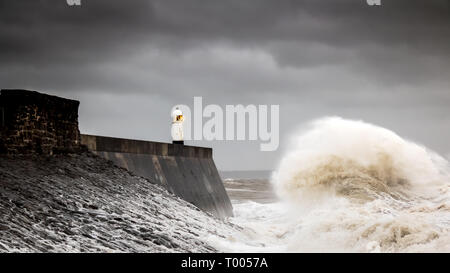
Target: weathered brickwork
column 35, row 123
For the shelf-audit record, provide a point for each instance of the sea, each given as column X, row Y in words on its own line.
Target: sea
column 344, row 186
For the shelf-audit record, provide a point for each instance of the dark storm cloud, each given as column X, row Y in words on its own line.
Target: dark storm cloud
column 49, row 45
column 315, row 57
column 49, row 30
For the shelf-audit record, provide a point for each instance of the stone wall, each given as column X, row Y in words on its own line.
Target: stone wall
column 187, row 171
column 35, row 123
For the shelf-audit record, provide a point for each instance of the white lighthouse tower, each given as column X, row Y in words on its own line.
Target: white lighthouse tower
column 177, row 126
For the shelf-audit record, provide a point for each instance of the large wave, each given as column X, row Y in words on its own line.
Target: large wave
column 358, row 160
column 350, row 186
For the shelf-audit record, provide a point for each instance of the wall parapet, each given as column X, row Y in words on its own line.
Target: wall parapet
column 133, row 146
column 186, row 171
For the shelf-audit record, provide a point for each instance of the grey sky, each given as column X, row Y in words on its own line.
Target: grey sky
column 129, row 62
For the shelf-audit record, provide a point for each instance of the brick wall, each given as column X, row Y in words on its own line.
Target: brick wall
column 36, row 123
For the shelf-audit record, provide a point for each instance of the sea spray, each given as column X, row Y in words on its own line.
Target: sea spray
column 349, row 186
column 356, row 159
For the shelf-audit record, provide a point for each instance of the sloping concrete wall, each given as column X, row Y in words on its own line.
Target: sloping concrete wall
column 186, row 171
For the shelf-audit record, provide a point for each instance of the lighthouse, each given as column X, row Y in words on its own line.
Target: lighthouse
column 177, row 126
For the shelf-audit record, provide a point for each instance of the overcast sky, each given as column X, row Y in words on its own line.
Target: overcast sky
column 129, row 62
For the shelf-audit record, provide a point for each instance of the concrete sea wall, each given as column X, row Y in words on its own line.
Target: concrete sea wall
column 186, row 171
column 36, row 123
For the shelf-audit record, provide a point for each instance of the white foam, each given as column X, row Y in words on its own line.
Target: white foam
column 349, row 186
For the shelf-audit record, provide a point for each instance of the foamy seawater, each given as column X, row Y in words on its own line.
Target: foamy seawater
column 346, row 186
